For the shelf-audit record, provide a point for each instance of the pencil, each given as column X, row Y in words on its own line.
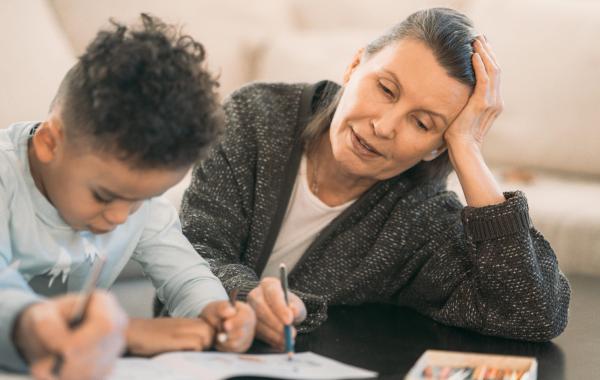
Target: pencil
column 81, row 305
column 222, row 336
column 287, row 329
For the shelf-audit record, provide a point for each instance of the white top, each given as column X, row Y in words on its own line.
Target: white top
column 305, row 217
column 33, row 232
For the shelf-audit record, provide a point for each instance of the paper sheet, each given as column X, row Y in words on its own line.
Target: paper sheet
column 217, row 366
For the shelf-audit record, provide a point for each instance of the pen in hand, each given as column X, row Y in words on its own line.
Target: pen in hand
column 81, row 305
column 287, row 329
column 222, row 335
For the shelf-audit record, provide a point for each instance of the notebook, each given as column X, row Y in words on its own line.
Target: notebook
column 220, row 365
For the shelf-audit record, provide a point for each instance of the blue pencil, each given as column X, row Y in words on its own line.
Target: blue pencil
column 287, row 330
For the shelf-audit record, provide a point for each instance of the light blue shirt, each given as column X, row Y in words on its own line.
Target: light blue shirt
column 32, row 231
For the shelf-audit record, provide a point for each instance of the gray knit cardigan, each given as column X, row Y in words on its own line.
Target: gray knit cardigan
column 486, row 269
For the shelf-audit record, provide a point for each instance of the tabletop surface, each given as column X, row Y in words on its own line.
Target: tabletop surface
column 389, row 339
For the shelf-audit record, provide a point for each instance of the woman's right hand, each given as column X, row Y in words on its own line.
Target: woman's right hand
column 272, row 313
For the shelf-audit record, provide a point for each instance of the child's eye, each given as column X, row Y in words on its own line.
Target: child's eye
column 420, row 124
column 101, row 199
column 389, row 93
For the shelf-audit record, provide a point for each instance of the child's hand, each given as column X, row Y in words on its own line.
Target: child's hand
column 147, row 337
column 237, row 323
column 88, row 351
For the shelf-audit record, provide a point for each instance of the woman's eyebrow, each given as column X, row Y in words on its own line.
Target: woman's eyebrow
column 399, row 84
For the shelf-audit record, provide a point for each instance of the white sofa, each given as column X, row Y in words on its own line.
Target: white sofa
column 549, row 52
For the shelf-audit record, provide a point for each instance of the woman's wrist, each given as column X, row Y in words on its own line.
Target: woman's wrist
column 461, row 146
column 476, row 179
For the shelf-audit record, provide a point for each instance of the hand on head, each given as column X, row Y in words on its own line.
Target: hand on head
column 88, row 351
column 272, row 313
column 485, row 104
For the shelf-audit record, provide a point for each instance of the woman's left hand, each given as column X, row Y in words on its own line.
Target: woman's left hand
column 484, row 105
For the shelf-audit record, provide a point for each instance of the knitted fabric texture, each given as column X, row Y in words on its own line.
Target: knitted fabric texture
column 486, row 269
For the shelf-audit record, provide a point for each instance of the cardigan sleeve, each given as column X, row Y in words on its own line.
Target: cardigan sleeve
column 215, row 221
column 493, row 272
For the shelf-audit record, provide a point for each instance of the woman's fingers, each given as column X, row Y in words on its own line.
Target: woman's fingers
column 272, row 336
column 298, row 308
column 264, row 314
column 274, row 296
column 273, row 313
column 487, row 47
column 482, row 80
column 492, row 88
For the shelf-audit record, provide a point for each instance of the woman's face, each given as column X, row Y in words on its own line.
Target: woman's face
column 394, row 110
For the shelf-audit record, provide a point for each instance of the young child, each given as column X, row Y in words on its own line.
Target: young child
column 128, row 121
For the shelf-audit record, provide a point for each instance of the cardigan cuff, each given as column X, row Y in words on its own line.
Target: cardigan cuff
column 495, row 221
column 316, row 312
column 245, row 288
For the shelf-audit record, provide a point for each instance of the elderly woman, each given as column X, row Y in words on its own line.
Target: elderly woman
column 346, row 185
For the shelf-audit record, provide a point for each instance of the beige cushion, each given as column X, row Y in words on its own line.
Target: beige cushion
column 228, row 29
column 550, row 56
column 35, row 57
column 373, row 14
column 565, row 211
column 310, row 56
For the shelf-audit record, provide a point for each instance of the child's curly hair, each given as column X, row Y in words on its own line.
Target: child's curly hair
column 144, row 95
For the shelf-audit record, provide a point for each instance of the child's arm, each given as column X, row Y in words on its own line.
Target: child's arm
column 15, row 296
column 33, row 330
column 148, row 337
column 183, row 280
column 188, row 289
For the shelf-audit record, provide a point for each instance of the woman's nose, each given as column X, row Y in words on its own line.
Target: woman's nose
column 384, row 129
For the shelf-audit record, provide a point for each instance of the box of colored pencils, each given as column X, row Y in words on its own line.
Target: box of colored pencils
column 449, row 365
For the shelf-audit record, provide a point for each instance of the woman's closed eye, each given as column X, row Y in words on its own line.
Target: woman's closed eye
column 386, row 90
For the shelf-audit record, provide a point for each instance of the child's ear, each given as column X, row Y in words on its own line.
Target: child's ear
column 48, row 140
column 355, row 62
column 435, row 153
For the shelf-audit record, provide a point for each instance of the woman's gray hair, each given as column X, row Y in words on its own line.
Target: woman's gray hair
column 449, row 34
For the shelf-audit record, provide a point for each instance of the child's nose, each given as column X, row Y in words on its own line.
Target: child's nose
column 118, row 212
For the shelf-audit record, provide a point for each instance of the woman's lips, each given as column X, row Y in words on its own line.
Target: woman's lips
column 362, row 147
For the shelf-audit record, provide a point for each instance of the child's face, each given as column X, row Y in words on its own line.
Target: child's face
column 95, row 191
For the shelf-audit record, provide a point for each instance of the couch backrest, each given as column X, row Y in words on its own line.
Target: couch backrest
column 35, row 56
column 227, row 28
column 549, row 52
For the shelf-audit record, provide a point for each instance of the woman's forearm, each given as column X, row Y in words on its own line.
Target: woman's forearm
column 476, row 179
